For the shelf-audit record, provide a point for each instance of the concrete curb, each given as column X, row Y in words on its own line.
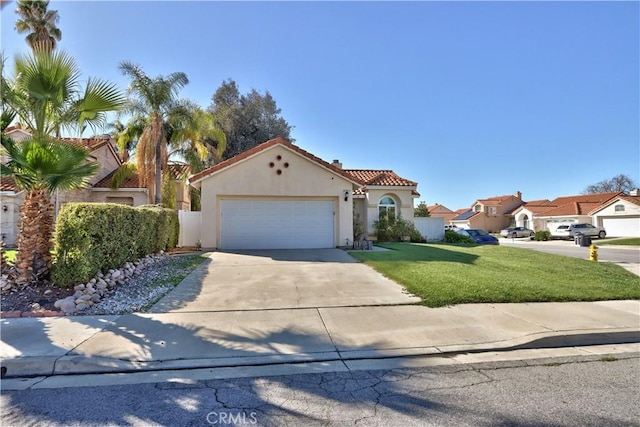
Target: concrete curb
column 79, row 365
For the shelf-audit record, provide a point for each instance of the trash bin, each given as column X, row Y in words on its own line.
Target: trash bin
column 578, row 239
column 586, row 241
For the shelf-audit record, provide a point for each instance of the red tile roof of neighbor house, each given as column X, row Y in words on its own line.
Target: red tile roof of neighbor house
column 178, row 171
column 439, row 207
column 571, row 205
column 265, row 145
column 495, row 200
column 90, row 144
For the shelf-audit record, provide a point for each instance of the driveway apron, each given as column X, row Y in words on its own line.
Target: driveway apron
column 281, row 279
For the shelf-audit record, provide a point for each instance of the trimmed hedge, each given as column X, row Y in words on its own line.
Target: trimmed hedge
column 94, row 237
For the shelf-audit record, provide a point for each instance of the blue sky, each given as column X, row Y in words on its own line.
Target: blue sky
column 469, row 99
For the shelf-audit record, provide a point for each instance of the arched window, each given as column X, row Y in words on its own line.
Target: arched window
column 619, row 208
column 387, row 208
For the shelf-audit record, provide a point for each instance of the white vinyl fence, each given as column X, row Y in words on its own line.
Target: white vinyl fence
column 189, row 228
column 432, row 229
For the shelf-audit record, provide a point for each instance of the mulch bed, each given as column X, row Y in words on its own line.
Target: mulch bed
column 33, row 298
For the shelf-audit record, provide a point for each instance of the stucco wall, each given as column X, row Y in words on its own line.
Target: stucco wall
column 254, row 178
column 108, row 163
column 9, row 219
column 138, row 197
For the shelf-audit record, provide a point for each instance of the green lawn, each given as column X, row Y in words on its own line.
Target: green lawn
column 445, row 274
column 631, row 241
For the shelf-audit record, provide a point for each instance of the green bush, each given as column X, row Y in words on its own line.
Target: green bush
column 451, row 236
column 94, row 237
column 396, row 229
column 542, row 235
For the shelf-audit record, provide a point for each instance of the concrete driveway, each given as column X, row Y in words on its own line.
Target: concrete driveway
column 281, row 279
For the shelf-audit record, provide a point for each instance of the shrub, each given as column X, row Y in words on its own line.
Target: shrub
column 94, row 237
column 451, row 236
column 396, row 229
column 542, row 235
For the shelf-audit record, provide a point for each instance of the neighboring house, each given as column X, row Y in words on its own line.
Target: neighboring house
column 101, row 150
column 620, row 216
column 492, row 214
column 441, row 211
column 279, row 196
column 548, row 215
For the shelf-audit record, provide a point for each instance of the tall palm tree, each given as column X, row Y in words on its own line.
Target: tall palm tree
column 39, row 23
column 40, row 167
column 155, row 99
column 46, row 95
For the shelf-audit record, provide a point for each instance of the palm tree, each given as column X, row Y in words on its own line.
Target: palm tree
column 40, row 167
column 196, row 138
column 39, row 23
column 155, row 99
column 46, row 96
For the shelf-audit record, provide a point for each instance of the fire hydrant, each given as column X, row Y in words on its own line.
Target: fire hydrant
column 593, row 253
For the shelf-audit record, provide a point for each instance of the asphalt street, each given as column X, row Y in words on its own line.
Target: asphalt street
column 603, row 392
column 566, row 248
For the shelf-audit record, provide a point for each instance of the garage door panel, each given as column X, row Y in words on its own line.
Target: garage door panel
column 622, row 227
column 276, row 224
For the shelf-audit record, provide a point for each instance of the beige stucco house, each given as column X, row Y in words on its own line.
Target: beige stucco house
column 492, row 214
column 279, row 196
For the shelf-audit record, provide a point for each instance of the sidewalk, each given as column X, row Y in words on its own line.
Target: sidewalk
column 144, row 342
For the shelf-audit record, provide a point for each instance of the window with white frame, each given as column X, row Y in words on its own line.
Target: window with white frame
column 619, row 208
column 477, row 208
column 387, row 208
column 493, row 210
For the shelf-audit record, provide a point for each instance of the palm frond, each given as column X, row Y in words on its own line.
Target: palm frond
column 123, row 173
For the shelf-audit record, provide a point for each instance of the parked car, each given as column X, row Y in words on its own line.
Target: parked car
column 568, row 231
column 481, row 237
column 517, row 232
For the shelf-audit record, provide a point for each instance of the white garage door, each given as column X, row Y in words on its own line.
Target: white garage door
column 622, row 227
column 277, row 224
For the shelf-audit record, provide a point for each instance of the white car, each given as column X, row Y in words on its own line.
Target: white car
column 568, row 231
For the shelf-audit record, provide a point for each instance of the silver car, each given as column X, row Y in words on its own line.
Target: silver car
column 517, row 232
column 568, row 231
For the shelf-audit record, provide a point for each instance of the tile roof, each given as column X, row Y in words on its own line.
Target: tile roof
column 178, row 170
column 571, row 205
column 439, row 208
column 90, row 144
column 495, row 200
column 375, row 177
column 268, row 144
column 7, row 184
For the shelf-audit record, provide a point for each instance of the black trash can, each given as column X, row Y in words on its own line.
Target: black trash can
column 578, row 239
column 586, row 241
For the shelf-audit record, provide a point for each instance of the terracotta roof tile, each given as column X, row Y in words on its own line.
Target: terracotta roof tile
column 90, row 144
column 8, row 184
column 571, row 205
column 375, row 177
column 631, row 199
column 265, row 145
column 178, row 170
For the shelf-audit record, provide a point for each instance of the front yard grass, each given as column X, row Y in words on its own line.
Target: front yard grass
column 631, row 241
column 445, row 274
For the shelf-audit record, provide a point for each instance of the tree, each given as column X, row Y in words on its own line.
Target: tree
column 421, row 210
column 246, row 120
column 154, row 99
column 46, row 96
column 618, row 183
column 39, row 23
column 40, row 167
